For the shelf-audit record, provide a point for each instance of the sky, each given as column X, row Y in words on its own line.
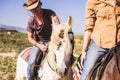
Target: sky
column 12, row 12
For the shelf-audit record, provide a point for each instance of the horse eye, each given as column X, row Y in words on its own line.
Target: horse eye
column 61, row 33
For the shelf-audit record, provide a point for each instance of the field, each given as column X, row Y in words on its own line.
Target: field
column 12, row 43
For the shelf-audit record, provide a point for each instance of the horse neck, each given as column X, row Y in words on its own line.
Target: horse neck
column 67, row 44
column 118, row 55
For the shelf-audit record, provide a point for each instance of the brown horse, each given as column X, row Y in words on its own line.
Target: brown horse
column 112, row 70
column 107, row 67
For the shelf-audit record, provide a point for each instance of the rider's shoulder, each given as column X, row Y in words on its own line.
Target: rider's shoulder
column 31, row 19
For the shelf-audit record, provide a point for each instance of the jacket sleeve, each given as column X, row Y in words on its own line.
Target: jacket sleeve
column 90, row 15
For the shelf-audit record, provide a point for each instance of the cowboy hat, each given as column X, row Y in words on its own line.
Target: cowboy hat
column 31, row 4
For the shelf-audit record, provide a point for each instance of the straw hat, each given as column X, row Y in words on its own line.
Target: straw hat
column 31, row 4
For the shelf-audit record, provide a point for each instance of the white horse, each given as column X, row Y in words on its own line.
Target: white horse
column 21, row 67
column 56, row 63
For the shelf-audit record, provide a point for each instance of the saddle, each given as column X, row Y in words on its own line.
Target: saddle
column 77, row 70
column 40, row 56
column 97, row 71
column 26, row 54
column 38, row 61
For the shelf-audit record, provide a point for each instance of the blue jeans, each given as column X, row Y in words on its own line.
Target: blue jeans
column 31, row 62
column 93, row 54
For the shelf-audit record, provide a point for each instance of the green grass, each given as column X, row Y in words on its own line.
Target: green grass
column 9, row 43
column 78, row 44
column 15, row 41
column 7, row 68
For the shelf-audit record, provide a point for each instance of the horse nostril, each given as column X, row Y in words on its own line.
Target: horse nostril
column 66, row 71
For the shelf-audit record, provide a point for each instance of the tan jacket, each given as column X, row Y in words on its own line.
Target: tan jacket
column 104, row 20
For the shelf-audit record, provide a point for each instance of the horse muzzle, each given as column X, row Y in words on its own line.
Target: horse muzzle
column 62, row 73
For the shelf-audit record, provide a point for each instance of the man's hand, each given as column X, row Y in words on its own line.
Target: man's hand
column 43, row 47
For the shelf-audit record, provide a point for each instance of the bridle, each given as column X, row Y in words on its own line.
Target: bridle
column 50, row 65
column 57, row 48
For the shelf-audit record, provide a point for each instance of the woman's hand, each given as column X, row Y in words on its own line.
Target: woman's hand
column 82, row 58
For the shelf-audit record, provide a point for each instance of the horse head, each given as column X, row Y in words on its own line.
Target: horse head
column 60, row 48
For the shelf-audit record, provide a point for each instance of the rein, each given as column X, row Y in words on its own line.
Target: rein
column 49, row 64
column 55, row 70
column 58, row 47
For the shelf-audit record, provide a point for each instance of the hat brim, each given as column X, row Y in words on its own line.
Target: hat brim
column 30, row 7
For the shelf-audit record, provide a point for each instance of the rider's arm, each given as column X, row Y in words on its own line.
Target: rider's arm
column 35, row 43
column 86, row 42
column 31, row 39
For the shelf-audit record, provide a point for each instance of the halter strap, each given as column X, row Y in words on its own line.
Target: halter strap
column 50, row 65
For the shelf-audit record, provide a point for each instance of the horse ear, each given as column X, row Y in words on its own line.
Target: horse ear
column 70, row 21
column 54, row 24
